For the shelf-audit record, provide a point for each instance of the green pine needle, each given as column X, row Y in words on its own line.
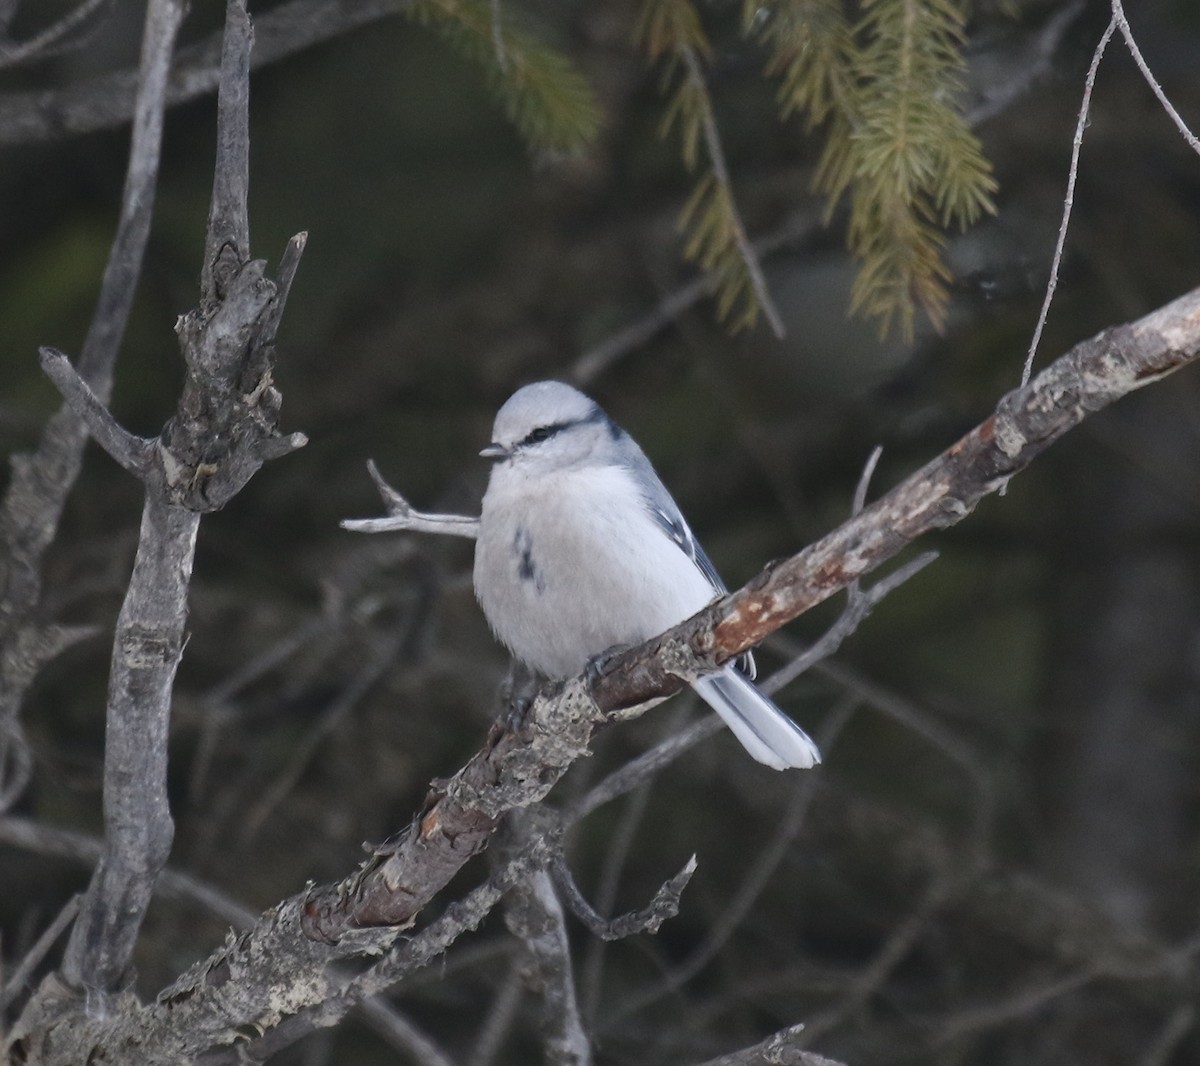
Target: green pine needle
column 897, row 145
column 714, row 238
column 809, row 42
column 543, row 95
column 669, row 26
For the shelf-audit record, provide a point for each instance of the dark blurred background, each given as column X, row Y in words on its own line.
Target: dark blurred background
column 1007, row 815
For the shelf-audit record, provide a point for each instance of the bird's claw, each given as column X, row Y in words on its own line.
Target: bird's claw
column 597, row 665
column 515, row 712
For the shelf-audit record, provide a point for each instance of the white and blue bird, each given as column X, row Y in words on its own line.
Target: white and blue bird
column 581, row 549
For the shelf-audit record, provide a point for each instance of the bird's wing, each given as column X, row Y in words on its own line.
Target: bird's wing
column 667, row 515
column 676, row 528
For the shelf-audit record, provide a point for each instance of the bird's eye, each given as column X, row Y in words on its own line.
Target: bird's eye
column 536, row 436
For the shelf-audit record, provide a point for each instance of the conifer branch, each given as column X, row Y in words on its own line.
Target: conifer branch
column 716, row 236
column 542, row 93
column 810, row 43
column 898, row 147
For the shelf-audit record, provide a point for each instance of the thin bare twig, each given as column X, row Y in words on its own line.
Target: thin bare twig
column 403, row 1034
column 646, row 766
column 1022, row 1004
column 601, row 357
column 402, row 516
column 277, row 790
column 84, row 849
column 1021, row 72
column 1069, row 200
column 895, row 948
column 216, row 707
column 24, row 969
column 757, row 876
column 1122, row 22
column 663, row 906
column 130, row 451
column 501, row 1015
column 53, row 40
column 859, row 604
column 616, row 855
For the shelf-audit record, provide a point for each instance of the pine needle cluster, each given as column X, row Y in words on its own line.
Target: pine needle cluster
column 884, row 78
column 671, row 31
column 543, row 94
column 902, row 154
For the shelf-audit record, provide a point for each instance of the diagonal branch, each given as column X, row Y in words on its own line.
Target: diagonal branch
column 720, row 172
column 291, row 946
column 1094, row 374
column 132, row 452
column 69, row 31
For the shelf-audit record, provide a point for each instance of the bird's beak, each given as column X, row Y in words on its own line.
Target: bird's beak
column 495, row 451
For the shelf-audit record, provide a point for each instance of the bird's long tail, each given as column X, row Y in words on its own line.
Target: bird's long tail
column 762, row 728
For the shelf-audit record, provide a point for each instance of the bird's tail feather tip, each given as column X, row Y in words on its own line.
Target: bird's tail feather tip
column 768, row 734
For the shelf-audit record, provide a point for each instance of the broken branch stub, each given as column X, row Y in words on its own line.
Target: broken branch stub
column 227, row 422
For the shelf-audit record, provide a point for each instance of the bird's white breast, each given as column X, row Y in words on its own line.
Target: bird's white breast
column 569, row 564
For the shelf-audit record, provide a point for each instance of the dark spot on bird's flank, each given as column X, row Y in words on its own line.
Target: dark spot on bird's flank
column 527, row 570
column 523, row 545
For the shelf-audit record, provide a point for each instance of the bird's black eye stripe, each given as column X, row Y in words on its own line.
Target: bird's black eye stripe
column 536, row 436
